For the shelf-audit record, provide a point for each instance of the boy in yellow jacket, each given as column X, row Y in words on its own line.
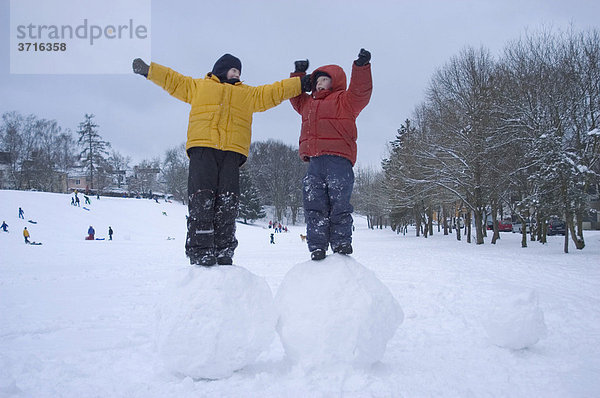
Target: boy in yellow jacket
column 26, row 235
column 218, row 141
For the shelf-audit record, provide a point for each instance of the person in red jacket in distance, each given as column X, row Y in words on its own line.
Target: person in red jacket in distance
column 328, row 142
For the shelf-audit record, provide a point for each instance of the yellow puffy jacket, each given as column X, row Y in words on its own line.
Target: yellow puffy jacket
column 221, row 114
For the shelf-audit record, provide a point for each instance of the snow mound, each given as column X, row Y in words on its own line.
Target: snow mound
column 516, row 321
column 215, row 321
column 335, row 311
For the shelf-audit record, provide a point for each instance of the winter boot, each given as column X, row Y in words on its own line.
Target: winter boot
column 204, row 258
column 224, row 260
column 318, row 254
column 226, row 208
column 345, row 248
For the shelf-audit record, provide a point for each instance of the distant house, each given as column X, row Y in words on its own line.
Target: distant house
column 114, row 184
column 77, row 179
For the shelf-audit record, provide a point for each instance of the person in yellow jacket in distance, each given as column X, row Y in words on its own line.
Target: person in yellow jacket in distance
column 26, row 235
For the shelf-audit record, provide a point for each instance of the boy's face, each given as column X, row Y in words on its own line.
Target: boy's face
column 233, row 73
column 323, row 83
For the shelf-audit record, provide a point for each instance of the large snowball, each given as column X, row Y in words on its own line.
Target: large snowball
column 516, row 321
column 335, row 311
column 217, row 320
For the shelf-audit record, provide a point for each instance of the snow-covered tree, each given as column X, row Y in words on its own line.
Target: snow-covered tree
column 94, row 148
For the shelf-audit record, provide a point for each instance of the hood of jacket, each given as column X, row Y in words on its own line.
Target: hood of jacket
column 338, row 80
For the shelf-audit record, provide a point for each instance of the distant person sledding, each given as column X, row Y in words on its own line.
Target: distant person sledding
column 4, row 226
column 91, row 233
column 27, row 236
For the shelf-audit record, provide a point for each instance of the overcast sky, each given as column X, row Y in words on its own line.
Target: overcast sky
column 408, row 42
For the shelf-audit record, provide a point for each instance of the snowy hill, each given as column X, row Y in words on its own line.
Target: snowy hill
column 78, row 318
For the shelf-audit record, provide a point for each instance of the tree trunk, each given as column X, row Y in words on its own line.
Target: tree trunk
column 479, row 225
column 496, row 233
column 566, row 247
column 430, row 220
column 445, row 221
column 468, row 227
column 579, row 243
column 543, row 233
column 523, row 232
column 418, row 221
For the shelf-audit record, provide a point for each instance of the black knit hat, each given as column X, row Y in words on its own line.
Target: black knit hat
column 223, row 65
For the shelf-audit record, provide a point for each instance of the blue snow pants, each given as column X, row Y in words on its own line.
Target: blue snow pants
column 327, row 188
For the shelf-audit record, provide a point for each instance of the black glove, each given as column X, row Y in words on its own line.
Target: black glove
column 306, row 83
column 140, row 67
column 363, row 58
column 301, row 66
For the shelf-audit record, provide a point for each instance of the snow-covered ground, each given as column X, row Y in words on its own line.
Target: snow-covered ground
column 78, row 318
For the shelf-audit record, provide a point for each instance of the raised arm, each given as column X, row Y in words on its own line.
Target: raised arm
column 270, row 95
column 176, row 84
column 300, row 68
column 361, row 83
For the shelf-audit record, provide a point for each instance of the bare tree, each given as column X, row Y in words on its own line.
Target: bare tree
column 145, row 178
column 118, row 165
column 277, row 172
column 369, row 197
column 175, row 172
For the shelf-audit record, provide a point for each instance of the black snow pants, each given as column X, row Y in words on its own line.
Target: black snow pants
column 213, row 189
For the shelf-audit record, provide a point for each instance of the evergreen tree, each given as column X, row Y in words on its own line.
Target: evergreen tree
column 250, row 207
column 94, row 151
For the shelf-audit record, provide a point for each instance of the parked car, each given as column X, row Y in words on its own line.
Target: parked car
column 556, row 227
column 518, row 227
column 503, row 226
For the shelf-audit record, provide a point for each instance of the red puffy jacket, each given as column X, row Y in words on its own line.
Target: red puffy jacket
column 329, row 116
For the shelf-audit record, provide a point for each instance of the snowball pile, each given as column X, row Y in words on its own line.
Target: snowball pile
column 516, row 321
column 215, row 321
column 335, row 311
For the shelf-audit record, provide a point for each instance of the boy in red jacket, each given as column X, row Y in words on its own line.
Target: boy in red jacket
column 328, row 143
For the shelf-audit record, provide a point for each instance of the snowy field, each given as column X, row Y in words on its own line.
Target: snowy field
column 78, row 318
